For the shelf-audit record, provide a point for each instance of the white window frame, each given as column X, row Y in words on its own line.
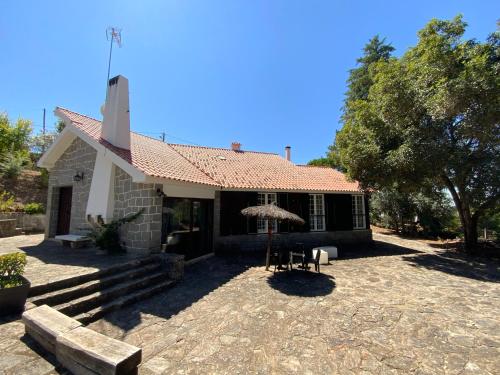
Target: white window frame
column 268, row 198
column 316, row 210
column 358, row 212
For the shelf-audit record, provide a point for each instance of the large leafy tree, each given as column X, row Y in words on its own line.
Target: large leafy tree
column 359, row 83
column 360, row 80
column 14, row 136
column 431, row 117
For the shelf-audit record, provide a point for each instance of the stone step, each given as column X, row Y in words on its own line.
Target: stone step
column 37, row 290
column 61, row 296
column 138, row 295
column 90, row 301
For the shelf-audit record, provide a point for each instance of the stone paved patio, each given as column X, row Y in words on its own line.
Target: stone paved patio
column 399, row 307
column 49, row 261
column 396, row 308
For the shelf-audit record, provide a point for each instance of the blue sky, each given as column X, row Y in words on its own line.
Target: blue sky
column 264, row 73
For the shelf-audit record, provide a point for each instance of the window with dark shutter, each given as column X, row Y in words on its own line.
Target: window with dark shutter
column 232, row 222
column 283, row 226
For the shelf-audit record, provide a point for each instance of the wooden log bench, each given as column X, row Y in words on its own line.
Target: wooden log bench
column 73, row 240
column 79, row 349
column 44, row 324
column 83, row 351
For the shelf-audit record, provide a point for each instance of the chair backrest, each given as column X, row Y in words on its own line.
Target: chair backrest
column 285, row 256
column 318, row 255
column 308, row 253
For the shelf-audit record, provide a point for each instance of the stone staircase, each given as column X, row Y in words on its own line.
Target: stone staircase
column 88, row 297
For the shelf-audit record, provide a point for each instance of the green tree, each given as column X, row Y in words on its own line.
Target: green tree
column 40, row 143
column 14, row 136
column 432, row 115
column 331, row 159
column 360, row 79
column 60, row 126
column 359, row 84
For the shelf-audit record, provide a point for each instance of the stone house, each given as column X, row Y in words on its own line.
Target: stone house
column 191, row 196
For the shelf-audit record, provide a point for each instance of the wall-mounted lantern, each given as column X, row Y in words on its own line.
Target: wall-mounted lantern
column 78, row 177
column 160, row 193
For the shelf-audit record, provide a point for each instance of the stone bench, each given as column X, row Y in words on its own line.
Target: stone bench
column 79, row 349
column 44, row 324
column 73, row 240
column 83, row 351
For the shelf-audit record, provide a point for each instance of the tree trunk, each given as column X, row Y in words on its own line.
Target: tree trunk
column 469, row 222
column 470, row 232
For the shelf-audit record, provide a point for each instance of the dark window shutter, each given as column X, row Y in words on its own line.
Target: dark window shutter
column 232, row 221
column 304, row 212
column 294, row 206
column 240, row 221
column 343, row 211
column 283, row 226
column 225, row 214
column 367, row 211
column 330, row 212
column 251, row 222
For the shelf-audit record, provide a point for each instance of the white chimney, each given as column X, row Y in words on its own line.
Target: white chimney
column 287, row 153
column 116, row 114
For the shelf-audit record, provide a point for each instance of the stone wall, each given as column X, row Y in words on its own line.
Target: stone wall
column 250, row 242
column 27, row 222
column 7, row 227
column 144, row 234
column 79, row 157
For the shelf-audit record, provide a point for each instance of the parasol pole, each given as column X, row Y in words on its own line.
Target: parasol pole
column 269, row 234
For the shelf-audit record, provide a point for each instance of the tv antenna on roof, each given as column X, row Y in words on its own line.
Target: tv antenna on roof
column 113, row 34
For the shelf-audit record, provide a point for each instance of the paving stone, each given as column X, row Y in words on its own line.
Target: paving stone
column 400, row 308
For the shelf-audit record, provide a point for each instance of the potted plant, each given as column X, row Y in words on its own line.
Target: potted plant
column 14, row 287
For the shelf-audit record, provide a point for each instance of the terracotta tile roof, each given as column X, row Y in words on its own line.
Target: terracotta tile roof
column 217, row 166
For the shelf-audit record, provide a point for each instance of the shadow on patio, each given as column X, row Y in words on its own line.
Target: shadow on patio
column 457, row 264
column 374, row 249
column 302, row 283
column 208, row 275
column 200, row 279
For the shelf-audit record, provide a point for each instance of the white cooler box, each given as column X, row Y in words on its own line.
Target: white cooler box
column 327, row 252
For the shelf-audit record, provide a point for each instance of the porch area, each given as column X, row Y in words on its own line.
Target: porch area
column 50, row 262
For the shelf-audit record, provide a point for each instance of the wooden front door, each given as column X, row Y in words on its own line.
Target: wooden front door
column 64, row 212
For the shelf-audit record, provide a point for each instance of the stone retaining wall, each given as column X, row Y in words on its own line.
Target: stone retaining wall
column 250, row 242
column 27, row 222
column 7, row 227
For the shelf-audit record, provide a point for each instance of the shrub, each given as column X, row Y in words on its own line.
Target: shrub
column 11, row 269
column 13, row 163
column 34, row 208
column 6, row 201
column 107, row 236
column 44, row 177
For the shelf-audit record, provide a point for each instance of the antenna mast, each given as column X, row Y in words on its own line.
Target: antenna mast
column 113, row 34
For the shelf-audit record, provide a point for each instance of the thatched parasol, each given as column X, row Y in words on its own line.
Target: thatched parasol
column 271, row 212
